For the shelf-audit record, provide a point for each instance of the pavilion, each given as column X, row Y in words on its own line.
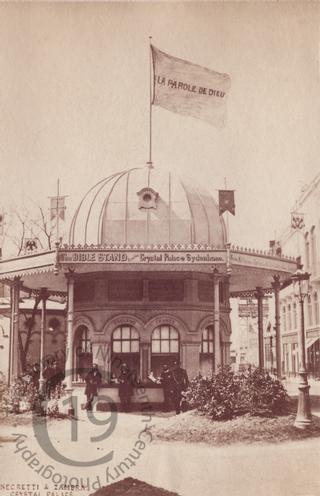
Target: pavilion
column 146, row 275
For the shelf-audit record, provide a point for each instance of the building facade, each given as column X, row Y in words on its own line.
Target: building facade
column 302, row 240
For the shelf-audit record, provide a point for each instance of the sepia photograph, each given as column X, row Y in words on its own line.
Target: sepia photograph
column 159, row 248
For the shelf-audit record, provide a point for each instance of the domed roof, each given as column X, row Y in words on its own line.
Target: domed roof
column 146, row 206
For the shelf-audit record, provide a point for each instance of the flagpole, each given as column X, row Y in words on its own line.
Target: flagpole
column 227, row 212
column 149, row 163
column 57, row 211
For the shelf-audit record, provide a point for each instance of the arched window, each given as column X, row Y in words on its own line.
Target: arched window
column 289, row 318
column 316, row 308
column 165, row 347
column 309, row 301
column 295, row 322
column 83, row 353
column 284, row 319
column 125, row 349
column 84, row 341
column 207, row 350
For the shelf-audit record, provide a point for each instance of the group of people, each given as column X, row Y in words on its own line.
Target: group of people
column 126, row 382
column 52, row 377
column 174, row 382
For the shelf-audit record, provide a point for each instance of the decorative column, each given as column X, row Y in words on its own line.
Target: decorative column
column 259, row 296
column 191, row 358
column 229, row 269
column 14, row 329
column 216, row 321
column 43, row 296
column 10, row 337
column 69, row 351
column 276, row 288
column 145, row 361
column 108, row 361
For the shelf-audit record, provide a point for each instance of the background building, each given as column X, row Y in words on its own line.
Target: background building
column 302, row 239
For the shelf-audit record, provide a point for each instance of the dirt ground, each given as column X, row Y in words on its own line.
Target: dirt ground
column 132, row 487
column 191, row 427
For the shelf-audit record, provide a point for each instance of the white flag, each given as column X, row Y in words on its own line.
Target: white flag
column 189, row 89
column 57, row 205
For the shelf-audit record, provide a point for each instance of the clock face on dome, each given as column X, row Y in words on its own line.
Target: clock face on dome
column 147, row 198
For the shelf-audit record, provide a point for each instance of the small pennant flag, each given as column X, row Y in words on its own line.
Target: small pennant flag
column 57, row 204
column 297, row 221
column 226, row 201
column 189, row 89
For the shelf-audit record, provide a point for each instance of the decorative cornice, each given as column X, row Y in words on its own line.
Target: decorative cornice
column 144, row 247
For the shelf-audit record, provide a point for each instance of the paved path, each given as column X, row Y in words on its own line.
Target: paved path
column 288, row 469
column 291, row 386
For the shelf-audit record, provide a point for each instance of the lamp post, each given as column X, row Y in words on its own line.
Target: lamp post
column 301, row 289
column 271, row 351
column 269, row 346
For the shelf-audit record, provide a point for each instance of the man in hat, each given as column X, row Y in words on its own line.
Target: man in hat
column 180, row 383
column 93, row 382
column 166, row 381
column 125, row 387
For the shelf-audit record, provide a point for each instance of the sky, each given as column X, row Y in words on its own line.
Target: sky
column 74, row 101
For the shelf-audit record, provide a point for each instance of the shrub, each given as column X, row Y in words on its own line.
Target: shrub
column 225, row 395
column 21, row 396
column 262, row 394
column 53, row 406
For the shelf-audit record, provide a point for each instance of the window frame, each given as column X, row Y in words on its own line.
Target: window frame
column 210, row 339
column 161, row 339
column 122, row 340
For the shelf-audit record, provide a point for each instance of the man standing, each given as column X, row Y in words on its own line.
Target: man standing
column 180, row 383
column 53, row 376
column 93, row 382
column 35, row 374
column 125, row 387
column 48, row 375
column 166, row 381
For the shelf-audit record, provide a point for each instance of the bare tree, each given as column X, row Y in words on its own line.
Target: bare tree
column 29, row 323
column 28, row 229
column 44, row 229
column 16, row 228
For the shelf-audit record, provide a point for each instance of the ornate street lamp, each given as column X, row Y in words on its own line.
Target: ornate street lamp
column 271, row 351
column 301, row 289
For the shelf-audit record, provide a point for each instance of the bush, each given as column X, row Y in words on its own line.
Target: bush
column 53, row 406
column 225, row 395
column 263, row 394
column 21, row 396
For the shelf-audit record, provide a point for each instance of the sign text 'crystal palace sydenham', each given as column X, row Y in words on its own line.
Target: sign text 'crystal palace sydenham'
column 141, row 257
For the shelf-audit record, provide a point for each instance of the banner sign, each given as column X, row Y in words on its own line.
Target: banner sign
column 251, row 310
column 189, row 89
column 226, row 201
column 141, row 257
